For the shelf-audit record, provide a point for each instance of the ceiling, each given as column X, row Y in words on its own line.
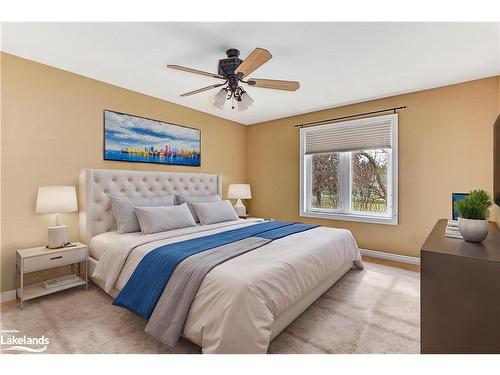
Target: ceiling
column 336, row 63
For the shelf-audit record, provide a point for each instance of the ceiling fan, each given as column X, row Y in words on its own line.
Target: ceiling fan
column 232, row 70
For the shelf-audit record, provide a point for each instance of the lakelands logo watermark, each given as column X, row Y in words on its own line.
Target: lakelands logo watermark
column 11, row 340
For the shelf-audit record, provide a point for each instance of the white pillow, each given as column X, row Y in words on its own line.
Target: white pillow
column 190, row 199
column 163, row 218
column 215, row 212
column 123, row 208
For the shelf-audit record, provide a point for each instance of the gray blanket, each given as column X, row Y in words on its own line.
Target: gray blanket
column 168, row 318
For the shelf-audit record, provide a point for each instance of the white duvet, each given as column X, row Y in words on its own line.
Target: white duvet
column 239, row 300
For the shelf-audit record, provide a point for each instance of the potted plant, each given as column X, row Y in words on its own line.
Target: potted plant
column 472, row 222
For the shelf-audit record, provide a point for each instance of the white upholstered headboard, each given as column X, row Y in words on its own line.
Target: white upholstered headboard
column 97, row 185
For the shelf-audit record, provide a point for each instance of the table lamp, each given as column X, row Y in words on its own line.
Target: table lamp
column 239, row 192
column 56, row 200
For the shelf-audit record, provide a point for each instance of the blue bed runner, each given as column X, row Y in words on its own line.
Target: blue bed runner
column 146, row 284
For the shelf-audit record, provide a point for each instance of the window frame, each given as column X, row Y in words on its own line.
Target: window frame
column 342, row 213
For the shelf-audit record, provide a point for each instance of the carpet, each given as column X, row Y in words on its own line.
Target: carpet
column 376, row 310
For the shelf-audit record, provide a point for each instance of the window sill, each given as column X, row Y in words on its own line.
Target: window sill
column 351, row 217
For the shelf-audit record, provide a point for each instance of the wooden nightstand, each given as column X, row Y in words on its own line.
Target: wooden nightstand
column 41, row 258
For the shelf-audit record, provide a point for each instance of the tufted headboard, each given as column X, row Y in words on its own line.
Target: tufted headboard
column 97, row 185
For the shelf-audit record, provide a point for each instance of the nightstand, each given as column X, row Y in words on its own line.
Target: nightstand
column 247, row 217
column 41, row 258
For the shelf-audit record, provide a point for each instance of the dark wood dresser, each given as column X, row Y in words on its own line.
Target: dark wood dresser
column 460, row 293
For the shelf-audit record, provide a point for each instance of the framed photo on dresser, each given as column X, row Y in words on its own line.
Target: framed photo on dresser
column 456, row 197
column 138, row 139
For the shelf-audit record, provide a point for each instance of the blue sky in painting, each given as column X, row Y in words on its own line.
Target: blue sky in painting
column 129, row 131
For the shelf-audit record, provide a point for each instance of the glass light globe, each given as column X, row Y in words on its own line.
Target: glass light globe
column 220, row 98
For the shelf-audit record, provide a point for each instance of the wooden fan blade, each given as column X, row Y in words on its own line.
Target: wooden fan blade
column 202, row 89
column 257, row 58
column 195, row 71
column 274, row 84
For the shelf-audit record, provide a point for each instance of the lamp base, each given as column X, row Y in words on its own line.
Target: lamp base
column 240, row 209
column 57, row 236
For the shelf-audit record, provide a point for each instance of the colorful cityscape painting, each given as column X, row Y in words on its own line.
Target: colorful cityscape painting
column 137, row 139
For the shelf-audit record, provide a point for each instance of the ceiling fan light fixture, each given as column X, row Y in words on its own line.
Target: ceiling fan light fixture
column 246, row 100
column 220, row 98
column 241, row 106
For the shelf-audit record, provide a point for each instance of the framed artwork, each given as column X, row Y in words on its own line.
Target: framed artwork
column 455, row 197
column 138, row 139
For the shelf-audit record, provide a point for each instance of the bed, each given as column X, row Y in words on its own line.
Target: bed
column 243, row 303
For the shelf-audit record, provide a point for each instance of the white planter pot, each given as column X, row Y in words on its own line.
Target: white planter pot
column 473, row 230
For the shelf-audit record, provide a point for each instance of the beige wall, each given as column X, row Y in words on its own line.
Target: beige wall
column 52, row 126
column 445, row 146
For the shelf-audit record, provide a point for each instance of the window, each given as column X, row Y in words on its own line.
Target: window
column 349, row 170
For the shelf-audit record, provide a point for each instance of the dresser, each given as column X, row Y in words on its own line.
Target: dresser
column 460, row 293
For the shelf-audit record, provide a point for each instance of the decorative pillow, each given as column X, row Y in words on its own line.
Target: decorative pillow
column 190, row 199
column 215, row 212
column 163, row 218
column 123, row 208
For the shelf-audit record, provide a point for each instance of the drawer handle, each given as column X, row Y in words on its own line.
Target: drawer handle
column 59, row 257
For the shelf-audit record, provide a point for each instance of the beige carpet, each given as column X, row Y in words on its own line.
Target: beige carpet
column 371, row 311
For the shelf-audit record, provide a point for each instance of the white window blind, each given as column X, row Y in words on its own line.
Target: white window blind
column 364, row 135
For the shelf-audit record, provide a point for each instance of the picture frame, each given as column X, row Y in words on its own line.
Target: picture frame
column 137, row 139
column 456, row 197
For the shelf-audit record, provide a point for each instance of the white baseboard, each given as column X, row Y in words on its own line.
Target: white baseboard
column 7, row 296
column 391, row 256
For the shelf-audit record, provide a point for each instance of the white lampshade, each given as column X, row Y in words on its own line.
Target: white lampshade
column 56, row 199
column 244, row 102
column 246, row 99
column 220, row 98
column 241, row 106
column 239, row 191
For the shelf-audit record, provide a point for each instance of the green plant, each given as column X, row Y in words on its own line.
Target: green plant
column 475, row 206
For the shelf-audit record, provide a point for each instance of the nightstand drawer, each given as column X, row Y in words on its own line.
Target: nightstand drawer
column 54, row 259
